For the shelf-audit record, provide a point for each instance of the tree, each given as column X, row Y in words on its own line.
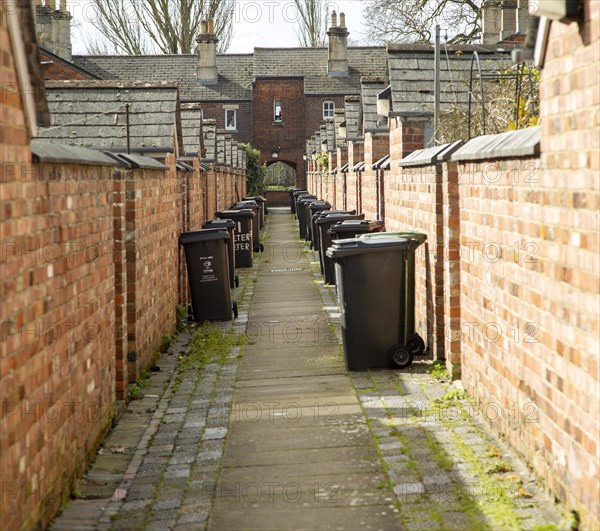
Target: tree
column 136, row 27
column 312, row 22
column 255, row 171
column 414, row 20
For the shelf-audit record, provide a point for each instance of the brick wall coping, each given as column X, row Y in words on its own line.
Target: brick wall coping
column 183, row 166
column 521, row 143
column 431, row 155
column 383, row 163
column 45, row 151
column 134, row 161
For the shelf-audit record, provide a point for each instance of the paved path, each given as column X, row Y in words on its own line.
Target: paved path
column 284, row 437
column 299, row 454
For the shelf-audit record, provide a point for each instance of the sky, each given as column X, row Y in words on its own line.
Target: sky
column 257, row 23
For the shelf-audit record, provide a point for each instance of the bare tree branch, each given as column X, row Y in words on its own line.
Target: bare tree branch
column 166, row 26
column 414, row 20
column 312, row 22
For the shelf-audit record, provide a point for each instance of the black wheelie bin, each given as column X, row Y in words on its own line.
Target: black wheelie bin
column 371, row 276
column 208, row 274
column 256, row 208
column 292, row 198
column 324, row 223
column 316, row 236
column 350, row 229
column 301, row 213
column 414, row 342
column 263, row 207
column 229, row 225
column 314, row 208
column 243, row 234
column 296, row 196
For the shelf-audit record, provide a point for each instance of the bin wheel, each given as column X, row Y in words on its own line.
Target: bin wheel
column 262, row 248
column 415, row 343
column 237, row 281
column 235, row 309
column 401, row 356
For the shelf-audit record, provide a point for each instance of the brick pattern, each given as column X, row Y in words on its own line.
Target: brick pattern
column 58, row 342
column 216, row 110
column 290, row 134
column 529, row 300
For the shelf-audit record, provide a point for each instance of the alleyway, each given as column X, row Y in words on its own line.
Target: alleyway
column 286, row 438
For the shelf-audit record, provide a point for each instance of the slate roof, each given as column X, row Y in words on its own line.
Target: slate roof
column 92, row 114
column 411, row 74
column 235, row 73
column 311, row 63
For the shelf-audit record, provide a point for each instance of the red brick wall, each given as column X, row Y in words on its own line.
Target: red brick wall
column 342, row 159
column 56, row 373
column 55, row 70
column 289, row 135
column 529, row 313
column 376, row 147
column 153, row 223
column 58, row 342
column 243, row 133
column 314, row 111
column 415, row 203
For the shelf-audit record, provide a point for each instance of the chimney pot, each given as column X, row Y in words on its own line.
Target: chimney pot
column 203, row 27
column 211, row 26
column 342, row 20
column 333, row 19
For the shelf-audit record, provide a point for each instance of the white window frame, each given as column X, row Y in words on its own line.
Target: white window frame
column 277, row 119
column 234, row 128
column 331, row 106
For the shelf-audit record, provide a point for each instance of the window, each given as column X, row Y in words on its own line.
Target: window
column 277, row 111
column 230, row 119
column 328, row 109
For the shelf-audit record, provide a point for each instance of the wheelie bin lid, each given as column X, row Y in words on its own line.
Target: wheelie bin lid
column 353, row 246
column 351, row 225
column 333, row 212
column 219, row 223
column 257, row 198
column 334, row 218
column 419, row 236
column 246, row 203
column 203, row 235
column 319, row 204
column 239, row 213
column 306, row 200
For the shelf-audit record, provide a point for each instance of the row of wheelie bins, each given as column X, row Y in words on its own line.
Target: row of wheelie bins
column 214, row 252
column 374, row 274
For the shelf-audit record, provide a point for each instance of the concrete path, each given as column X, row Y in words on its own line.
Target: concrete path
column 278, row 435
column 299, row 454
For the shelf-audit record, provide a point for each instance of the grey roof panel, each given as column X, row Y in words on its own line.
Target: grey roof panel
column 93, row 114
column 235, row 73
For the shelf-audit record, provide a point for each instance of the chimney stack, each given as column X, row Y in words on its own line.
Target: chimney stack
column 207, row 72
column 523, row 16
column 337, row 65
column 508, row 18
column 53, row 28
column 491, row 26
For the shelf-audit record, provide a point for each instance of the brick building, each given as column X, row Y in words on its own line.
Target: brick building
column 272, row 98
